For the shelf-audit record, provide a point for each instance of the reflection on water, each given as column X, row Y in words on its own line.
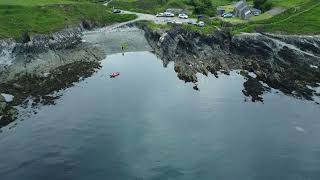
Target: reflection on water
column 147, row 124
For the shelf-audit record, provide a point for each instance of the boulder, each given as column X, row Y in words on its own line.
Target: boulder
column 7, row 97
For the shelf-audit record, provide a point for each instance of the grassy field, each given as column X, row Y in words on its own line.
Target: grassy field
column 288, row 3
column 211, row 26
column 154, row 6
column 306, row 22
column 301, row 19
column 36, row 2
column 147, row 6
column 155, row 26
column 47, row 16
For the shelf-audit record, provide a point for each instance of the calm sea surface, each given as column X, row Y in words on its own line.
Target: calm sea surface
column 148, row 125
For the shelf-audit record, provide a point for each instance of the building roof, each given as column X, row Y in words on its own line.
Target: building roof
column 243, row 9
column 247, row 12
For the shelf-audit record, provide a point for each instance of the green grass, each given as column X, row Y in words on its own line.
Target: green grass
column 221, row 2
column 152, row 25
column 202, row 30
column 41, row 16
column 288, row 3
column 148, row 6
column 35, row 2
column 307, row 22
column 155, row 6
column 210, row 26
column 302, row 19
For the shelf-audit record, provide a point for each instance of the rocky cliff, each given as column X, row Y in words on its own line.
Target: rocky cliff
column 41, row 53
column 287, row 63
column 35, row 66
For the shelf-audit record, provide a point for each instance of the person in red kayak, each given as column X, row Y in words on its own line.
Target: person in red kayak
column 114, row 74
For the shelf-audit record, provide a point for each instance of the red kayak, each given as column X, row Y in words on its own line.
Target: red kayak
column 114, row 74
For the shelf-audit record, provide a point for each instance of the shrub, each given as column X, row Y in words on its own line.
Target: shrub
column 263, row 5
column 203, row 7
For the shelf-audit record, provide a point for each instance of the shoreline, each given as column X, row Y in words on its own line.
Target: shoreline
column 37, row 74
column 43, row 64
column 287, row 63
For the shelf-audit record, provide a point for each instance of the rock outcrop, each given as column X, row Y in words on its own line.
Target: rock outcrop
column 39, row 53
column 41, row 43
column 35, row 66
column 287, row 63
column 40, row 89
column 39, row 65
column 3, row 105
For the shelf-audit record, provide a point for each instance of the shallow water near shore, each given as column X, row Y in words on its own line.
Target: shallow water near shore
column 147, row 124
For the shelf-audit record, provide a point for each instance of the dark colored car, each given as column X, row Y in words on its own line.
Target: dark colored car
column 201, row 16
column 116, row 11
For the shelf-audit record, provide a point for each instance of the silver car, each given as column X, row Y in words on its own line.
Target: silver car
column 201, row 24
column 183, row 16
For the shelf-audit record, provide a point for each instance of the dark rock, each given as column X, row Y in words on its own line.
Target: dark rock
column 12, row 113
column 254, row 89
column 17, row 86
column 2, row 99
column 282, row 62
column 87, row 24
column 25, row 38
column 40, row 88
column 3, row 105
column 40, row 43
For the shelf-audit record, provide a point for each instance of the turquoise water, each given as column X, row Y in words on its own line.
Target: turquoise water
column 148, row 125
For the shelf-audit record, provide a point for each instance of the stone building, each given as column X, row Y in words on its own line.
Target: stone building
column 242, row 10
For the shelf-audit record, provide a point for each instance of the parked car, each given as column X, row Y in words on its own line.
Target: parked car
column 183, row 16
column 192, row 22
column 201, row 24
column 168, row 14
column 116, row 11
column 160, row 15
column 256, row 13
column 201, row 16
column 195, row 23
column 227, row 15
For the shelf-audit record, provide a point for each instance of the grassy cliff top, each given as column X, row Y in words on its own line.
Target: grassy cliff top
column 154, row 6
column 300, row 19
column 47, row 16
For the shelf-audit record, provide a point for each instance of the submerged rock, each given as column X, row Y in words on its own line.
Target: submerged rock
column 41, row 89
column 195, row 87
column 254, row 89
